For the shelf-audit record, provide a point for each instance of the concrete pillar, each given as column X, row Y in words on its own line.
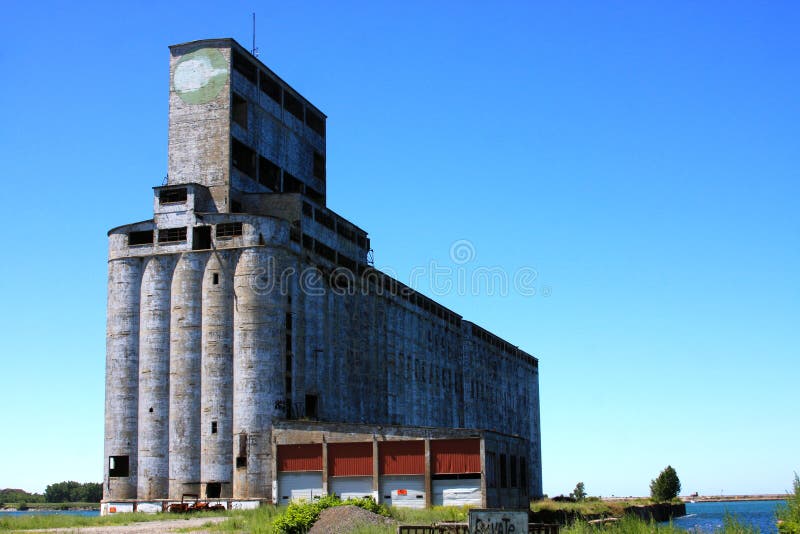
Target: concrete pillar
column 216, row 402
column 122, row 374
column 376, row 468
column 257, row 381
column 184, row 375
column 324, row 466
column 153, row 441
column 483, row 473
column 428, row 485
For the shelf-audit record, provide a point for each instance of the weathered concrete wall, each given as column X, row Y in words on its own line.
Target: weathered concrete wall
column 153, row 436
column 122, row 373
column 184, row 375
column 216, row 399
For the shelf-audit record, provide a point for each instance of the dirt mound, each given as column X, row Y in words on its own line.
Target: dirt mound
column 343, row 519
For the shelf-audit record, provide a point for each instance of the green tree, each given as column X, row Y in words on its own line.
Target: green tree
column 71, row 491
column 579, row 493
column 666, row 486
column 789, row 514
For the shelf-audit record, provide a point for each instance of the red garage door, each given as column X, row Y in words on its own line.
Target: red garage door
column 306, row 457
column 455, row 456
column 350, row 459
column 402, row 457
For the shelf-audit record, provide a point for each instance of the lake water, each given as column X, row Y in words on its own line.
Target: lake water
column 709, row 516
column 50, row 512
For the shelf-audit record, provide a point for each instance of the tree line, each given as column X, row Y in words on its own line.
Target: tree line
column 67, row 491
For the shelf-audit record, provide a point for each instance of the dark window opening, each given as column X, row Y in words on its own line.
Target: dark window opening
column 503, row 472
column 308, row 242
column 325, row 251
column 270, row 87
column 118, row 466
column 215, row 278
column 213, row 427
column 288, row 341
column 172, row 196
column 201, row 238
column 315, row 122
column 294, row 233
column 319, row 166
column 315, row 195
column 244, row 158
column 143, row 237
column 241, row 457
column 229, row 229
column 311, row 406
column 513, row 471
column 307, row 209
column 172, row 235
column 213, row 490
column 269, row 174
column 244, row 67
column 239, row 111
column 151, row 409
column 325, row 219
column 291, row 184
column 236, row 206
column 293, row 105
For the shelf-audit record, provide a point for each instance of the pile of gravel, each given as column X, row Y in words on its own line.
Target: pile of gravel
column 342, row 519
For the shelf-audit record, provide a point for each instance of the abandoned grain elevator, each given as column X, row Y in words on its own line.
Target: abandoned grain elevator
column 255, row 355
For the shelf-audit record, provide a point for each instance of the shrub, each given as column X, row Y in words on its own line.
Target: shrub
column 789, row 514
column 300, row 516
column 666, row 486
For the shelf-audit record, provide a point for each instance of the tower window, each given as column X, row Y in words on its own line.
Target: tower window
column 172, row 235
column 293, row 105
column 172, row 196
column 269, row 174
column 144, row 237
column 315, row 122
column 213, row 427
column 311, row 406
column 243, row 158
column 239, row 111
column 291, row 184
column 319, row 166
column 243, row 66
column 215, row 279
column 270, row 87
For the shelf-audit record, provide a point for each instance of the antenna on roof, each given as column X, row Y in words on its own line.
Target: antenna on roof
column 254, row 51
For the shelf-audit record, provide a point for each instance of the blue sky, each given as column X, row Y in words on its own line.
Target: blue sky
column 641, row 157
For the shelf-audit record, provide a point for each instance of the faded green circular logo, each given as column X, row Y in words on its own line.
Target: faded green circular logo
column 200, row 75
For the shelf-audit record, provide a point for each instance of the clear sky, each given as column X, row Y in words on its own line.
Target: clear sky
column 641, row 157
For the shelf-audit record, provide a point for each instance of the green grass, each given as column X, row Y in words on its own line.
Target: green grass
column 437, row 514
column 632, row 525
column 30, row 522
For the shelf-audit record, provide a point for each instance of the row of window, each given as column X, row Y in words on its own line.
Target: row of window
column 513, row 471
column 342, row 228
column 202, row 235
column 273, row 89
column 270, row 174
column 504, row 346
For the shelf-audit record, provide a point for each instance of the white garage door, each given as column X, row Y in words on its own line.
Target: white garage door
column 350, row 487
column 299, row 486
column 404, row 491
column 457, row 492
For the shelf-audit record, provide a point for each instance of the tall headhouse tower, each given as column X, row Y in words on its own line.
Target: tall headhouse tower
column 252, row 347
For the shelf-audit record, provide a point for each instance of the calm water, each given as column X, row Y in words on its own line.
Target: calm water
column 51, row 512
column 709, row 516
